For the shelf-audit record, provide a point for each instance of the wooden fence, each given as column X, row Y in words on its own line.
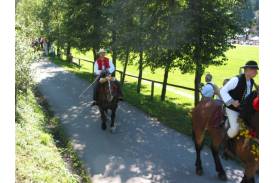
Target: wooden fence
column 77, row 61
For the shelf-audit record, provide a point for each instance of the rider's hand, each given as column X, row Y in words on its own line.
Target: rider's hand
column 236, row 103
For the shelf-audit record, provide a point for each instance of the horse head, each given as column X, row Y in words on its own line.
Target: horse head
column 107, row 92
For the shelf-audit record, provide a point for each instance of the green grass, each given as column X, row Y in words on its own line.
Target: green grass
column 175, row 111
column 40, row 156
column 236, row 58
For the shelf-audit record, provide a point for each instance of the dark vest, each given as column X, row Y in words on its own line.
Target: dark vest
column 239, row 92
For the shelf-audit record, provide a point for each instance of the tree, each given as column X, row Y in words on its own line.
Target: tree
column 165, row 37
column 140, row 34
column 210, row 24
column 27, row 17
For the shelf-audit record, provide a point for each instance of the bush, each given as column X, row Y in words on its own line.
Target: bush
column 24, row 56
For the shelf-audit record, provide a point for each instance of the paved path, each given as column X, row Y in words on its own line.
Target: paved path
column 142, row 150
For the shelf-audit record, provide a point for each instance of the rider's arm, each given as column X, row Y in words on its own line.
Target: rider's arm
column 97, row 72
column 112, row 67
column 230, row 85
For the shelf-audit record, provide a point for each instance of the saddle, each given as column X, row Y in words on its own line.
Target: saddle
column 105, row 79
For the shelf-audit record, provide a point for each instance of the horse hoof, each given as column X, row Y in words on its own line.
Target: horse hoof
column 222, row 176
column 103, row 126
column 225, row 157
column 113, row 129
column 199, row 171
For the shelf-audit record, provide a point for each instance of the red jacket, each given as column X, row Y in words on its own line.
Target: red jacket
column 103, row 61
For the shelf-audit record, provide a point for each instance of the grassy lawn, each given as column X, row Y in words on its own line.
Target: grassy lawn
column 40, row 156
column 174, row 112
column 236, row 58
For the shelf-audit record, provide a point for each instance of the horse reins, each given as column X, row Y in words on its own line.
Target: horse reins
column 89, row 86
column 109, row 84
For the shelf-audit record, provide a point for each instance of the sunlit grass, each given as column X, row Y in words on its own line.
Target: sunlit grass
column 175, row 111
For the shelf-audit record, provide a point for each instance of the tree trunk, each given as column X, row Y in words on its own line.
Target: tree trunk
column 198, row 75
column 68, row 53
column 95, row 55
column 165, row 79
column 125, row 66
column 140, row 71
column 58, row 52
column 114, row 59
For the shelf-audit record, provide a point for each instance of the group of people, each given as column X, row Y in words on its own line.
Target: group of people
column 42, row 43
column 233, row 94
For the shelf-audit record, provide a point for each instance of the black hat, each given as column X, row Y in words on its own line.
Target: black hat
column 251, row 64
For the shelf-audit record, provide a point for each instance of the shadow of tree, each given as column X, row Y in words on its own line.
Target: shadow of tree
column 142, row 150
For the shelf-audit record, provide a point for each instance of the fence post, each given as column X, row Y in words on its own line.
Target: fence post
column 152, row 90
column 120, row 76
column 93, row 72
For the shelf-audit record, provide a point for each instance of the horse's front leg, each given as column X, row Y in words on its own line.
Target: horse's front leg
column 216, row 142
column 219, row 168
column 250, row 171
column 113, row 116
column 103, row 120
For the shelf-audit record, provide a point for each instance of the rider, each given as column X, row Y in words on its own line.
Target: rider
column 210, row 89
column 104, row 63
column 233, row 94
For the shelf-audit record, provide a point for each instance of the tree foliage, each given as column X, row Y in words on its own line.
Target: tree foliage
column 171, row 34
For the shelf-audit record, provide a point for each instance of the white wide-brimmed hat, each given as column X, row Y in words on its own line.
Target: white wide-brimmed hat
column 101, row 50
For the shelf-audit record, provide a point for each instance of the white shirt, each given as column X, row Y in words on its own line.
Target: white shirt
column 248, row 86
column 230, row 85
column 207, row 90
column 111, row 69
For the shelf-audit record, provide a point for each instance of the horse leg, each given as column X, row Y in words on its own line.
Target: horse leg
column 103, row 119
column 250, row 171
column 248, row 180
column 219, row 168
column 216, row 136
column 198, row 139
column 113, row 116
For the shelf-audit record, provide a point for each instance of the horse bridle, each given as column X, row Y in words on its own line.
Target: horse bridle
column 105, row 73
column 109, row 85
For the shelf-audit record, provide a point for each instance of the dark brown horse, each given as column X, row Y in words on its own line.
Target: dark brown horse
column 207, row 117
column 107, row 99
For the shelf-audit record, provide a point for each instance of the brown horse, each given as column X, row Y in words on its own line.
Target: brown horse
column 207, row 117
column 107, row 99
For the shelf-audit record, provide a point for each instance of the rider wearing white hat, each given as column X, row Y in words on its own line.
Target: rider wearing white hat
column 103, row 63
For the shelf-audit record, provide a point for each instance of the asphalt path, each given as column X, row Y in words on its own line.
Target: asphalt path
column 141, row 150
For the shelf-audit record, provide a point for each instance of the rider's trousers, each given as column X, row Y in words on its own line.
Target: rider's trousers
column 233, row 121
